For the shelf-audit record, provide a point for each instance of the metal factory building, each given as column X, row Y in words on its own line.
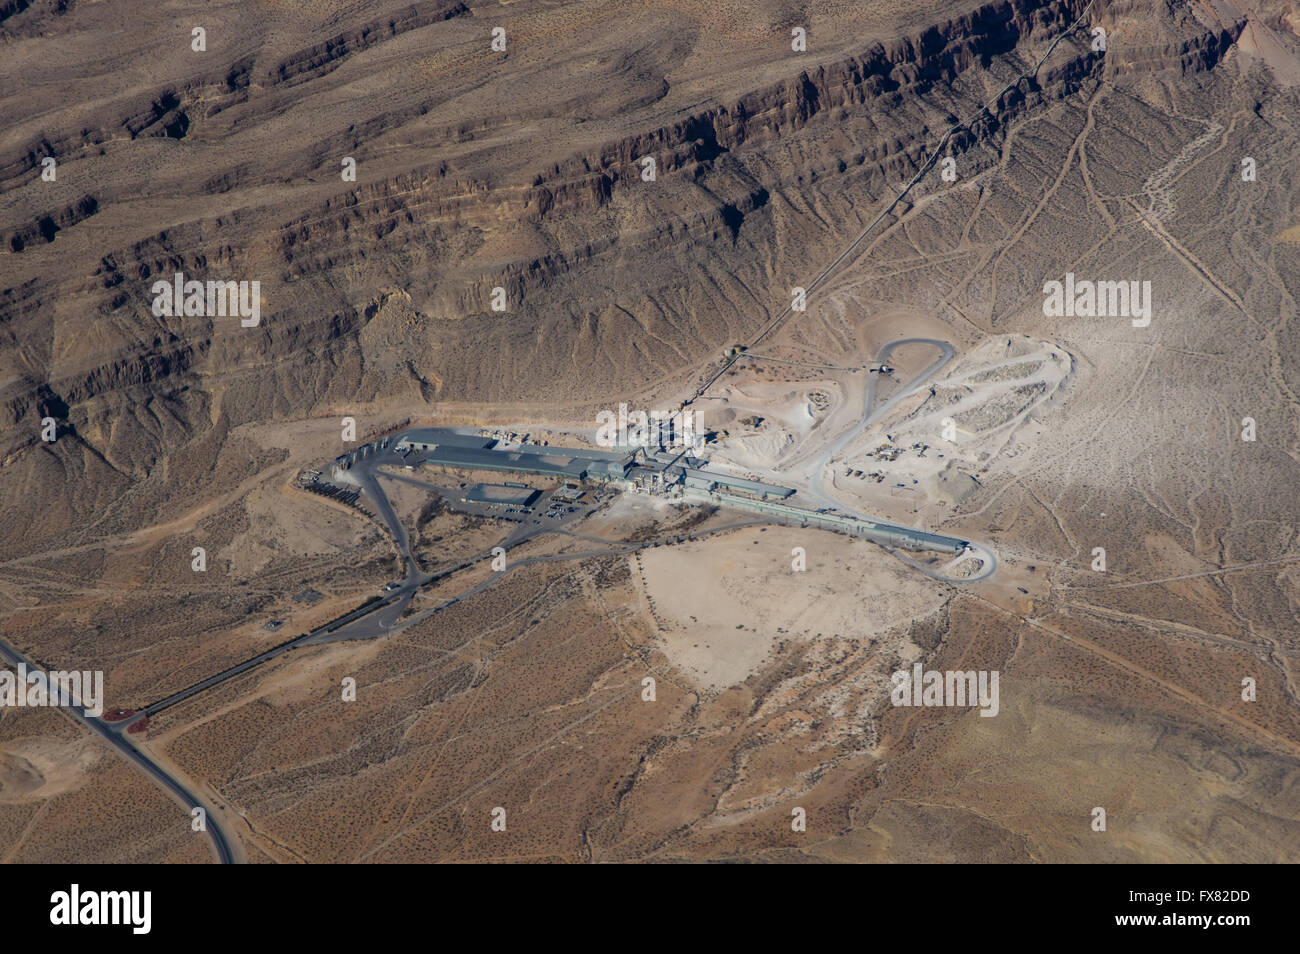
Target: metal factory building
column 444, row 447
column 501, row 494
column 707, row 480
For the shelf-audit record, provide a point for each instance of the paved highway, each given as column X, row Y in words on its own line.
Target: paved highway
column 128, row 750
column 380, row 615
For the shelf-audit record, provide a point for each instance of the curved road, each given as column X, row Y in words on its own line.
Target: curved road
column 989, row 108
column 114, row 733
column 128, row 750
column 819, row 492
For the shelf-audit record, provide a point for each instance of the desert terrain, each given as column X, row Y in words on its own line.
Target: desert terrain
column 523, row 686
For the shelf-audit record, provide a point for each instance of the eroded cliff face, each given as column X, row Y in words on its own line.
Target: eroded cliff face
column 475, row 170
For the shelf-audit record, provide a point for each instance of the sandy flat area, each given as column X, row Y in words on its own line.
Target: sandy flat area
column 724, row 603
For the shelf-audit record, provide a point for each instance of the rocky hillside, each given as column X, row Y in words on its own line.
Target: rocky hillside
column 475, row 169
